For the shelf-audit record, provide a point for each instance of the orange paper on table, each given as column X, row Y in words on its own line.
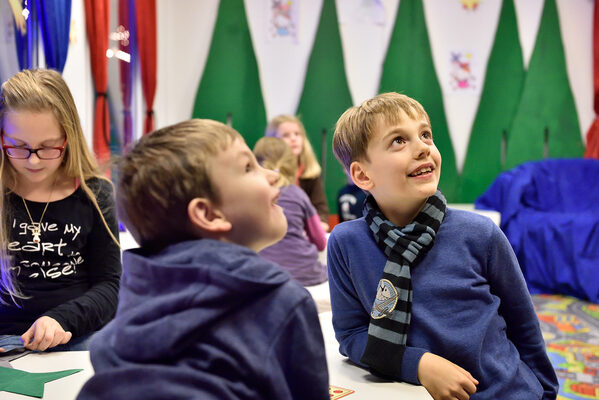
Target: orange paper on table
column 336, row 392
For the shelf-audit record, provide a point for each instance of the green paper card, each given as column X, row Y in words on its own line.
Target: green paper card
column 29, row 383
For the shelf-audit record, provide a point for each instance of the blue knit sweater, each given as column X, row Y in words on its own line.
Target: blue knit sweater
column 470, row 306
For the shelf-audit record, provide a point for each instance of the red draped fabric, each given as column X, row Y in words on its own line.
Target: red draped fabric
column 125, row 72
column 146, row 42
column 97, row 18
column 592, row 150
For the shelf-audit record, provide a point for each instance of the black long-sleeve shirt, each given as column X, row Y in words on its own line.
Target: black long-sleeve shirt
column 314, row 188
column 73, row 274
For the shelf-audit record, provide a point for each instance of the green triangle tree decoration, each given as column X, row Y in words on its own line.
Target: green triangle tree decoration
column 230, row 85
column 546, row 123
column 325, row 97
column 409, row 69
column 498, row 105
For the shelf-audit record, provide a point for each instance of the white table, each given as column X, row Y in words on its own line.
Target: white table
column 342, row 373
column 366, row 386
column 66, row 388
column 127, row 241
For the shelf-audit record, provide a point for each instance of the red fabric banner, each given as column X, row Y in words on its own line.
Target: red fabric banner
column 97, row 19
column 592, row 149
column 146, row 42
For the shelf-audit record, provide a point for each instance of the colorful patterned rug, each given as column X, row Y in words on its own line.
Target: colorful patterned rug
column 571, row 330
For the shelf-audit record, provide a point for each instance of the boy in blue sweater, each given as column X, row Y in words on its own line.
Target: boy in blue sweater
column 200, row 314
column 422, row 293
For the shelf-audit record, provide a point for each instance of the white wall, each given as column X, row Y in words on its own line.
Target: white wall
column 185, row 31
column 77, row 70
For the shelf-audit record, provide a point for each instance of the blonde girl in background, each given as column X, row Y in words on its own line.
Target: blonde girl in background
column 60, row 258
column 308, row 177
column 297, row 252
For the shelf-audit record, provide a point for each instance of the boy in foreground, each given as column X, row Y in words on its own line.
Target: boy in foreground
column 422, row 293
column 200, row 314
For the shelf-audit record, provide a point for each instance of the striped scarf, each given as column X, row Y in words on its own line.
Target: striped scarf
column 391, row 312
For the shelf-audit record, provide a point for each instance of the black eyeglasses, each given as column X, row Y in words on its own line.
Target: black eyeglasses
column 43, row 153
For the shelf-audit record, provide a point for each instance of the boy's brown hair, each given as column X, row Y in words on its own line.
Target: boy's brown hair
column 356, row 126
column 163, row 172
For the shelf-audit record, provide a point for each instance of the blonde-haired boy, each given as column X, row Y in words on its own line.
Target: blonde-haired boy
column 420, row 292
column 200, row 314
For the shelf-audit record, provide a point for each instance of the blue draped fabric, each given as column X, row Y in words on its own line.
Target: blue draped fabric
column 27, row 45
column 550, row 214
column 21, row 45
column 55, row 23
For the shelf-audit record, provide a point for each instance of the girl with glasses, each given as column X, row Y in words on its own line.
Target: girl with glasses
column 59, row 252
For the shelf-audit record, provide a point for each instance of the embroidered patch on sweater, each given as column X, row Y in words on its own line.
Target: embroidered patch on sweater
column 385, row 301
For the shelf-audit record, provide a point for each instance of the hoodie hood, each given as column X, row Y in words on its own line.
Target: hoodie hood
column 167, row 298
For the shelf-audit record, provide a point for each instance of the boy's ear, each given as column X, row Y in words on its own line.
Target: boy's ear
column 360, row 176
column 205, row 215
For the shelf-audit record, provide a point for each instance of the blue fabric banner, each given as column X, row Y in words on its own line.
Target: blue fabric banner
column 27, row 43
column 55, row 23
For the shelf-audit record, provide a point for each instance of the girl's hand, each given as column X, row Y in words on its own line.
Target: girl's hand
column 445, row 380
column 45, row 333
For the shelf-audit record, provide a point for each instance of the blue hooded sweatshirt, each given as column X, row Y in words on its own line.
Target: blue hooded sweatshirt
column 205, row 319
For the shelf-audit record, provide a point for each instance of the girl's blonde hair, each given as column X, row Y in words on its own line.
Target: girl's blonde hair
column 41, row 90
column 273, row 153
column 307, row 158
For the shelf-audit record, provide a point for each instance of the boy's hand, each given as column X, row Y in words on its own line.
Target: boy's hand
column 445, row 380
column 45, row 333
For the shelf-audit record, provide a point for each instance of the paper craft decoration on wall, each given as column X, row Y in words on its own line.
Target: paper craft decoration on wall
column 282, row 20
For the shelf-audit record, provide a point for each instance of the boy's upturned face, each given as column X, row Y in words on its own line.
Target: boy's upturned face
column 404, row 167
column 248, row 197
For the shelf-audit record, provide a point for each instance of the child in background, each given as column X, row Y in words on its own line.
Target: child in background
column 201, row 315
column 292, row 131
column 60, row 259
column 350, row 201
column 420, row 292
column 297, row 252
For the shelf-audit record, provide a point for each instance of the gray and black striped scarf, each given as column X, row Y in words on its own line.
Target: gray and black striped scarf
column 391, row 312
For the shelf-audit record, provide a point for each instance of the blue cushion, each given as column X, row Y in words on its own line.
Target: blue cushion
column 550, row 214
